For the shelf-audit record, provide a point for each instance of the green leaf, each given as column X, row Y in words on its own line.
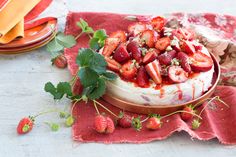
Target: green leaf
column 98, row 63
column 93, row 44
column 54, row 46
column 84, row 26
column 65, row 88
column 109, row 76
column 87, row 76
column 65, row 40
column 100, row 34
column 50, row 88
column 84, row 56
column 99, row 90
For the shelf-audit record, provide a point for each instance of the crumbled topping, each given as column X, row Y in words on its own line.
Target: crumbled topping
column 169, row 48
column 175, row 61
column 144, row 51
column 167, row 31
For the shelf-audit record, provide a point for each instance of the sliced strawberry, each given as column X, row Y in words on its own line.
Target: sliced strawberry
column 149, row 57
column 120, row 35
column 154, row 71
column 162, row 43
column 110, row 45
column 167, row 57
column 184, row 61
column 201, row 62
column 177, row 74
column 149, row 37
column 112, row 64
column 183, row 34
column 137, row 28
column 133, row 48
column 188, row 47
column 121, row 54
column 128, row 70
column 142, row 77
column 158, row 23
column 110, row 126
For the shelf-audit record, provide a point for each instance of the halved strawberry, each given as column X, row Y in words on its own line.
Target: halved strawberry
column 177, row 74
column 154, row 71
column 142, row 77
column 112, row 64
column 110, row 45
column 137, row 28
column 149, row 57
column 158, row 23
column 120, row 35
column 184, row 61
column 153, row 123
column 183, row 34
column 188, row 47
column 167, row 57
column 149, row 38
column 133, row 48
column 121, row 54
column 200, row 62
column 162, row 43
column 128, row 70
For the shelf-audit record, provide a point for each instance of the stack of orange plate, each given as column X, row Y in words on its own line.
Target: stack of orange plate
column 34, row 38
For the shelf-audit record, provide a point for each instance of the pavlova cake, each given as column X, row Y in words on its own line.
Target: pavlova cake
column 157, row 65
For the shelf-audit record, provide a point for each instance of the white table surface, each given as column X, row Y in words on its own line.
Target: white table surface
column 23, row 77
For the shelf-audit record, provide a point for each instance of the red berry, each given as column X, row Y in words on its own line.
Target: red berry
column 137, row 28
column 201, row 62
column 158, row 23
column 154, row 71
column 149, row 57
column 149, row 37
column 110, row 45
column 100, row 123
column 133, row 48
column 77, row 88
column 142, row 77
column 162, row 43
column 125, row 121
column 167, row 57
column 121, row 54
column 119, row 34
column 112, row 64
column 128, row 70
column 183, row 34
column 110, row 126
column 177, row 74
column 188, row 47
column 25, row 125
column 60, row 62
column 184, row 61
column 187, row 116
column 153, row 123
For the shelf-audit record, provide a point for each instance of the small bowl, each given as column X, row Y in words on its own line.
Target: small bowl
column 165, row 109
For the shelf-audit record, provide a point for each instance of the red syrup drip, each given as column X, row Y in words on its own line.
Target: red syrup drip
column 193, row 87
column 180, row 96
column 162, row 93
column 202, row 87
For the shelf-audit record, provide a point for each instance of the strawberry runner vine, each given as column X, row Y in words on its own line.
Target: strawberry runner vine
column 89, row 84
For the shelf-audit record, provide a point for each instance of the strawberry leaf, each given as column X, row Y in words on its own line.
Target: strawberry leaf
column 65, row 40
column 99, row 90
column 93, row 44
column 84, row 56
column 98, row 63
column 54, row 46
column 63, row 88
column 84, row 26
column 87, row 76
column 109, row 76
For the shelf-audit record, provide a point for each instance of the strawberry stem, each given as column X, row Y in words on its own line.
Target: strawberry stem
column 105, row 108
column 73, row 105
column 45, row 112
column 181, row 112
column 95, row 106
column 144, row 119
column 77, row 37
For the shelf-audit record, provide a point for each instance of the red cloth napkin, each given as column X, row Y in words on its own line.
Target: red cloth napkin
column 218, row 120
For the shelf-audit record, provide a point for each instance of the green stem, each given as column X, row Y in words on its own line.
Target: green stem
column 95, row 106
column 105, row 108
column 181, row 112
column 207, row 104
column 79, row 35
column 145, row 119
column 46, row 112
column 73, row 105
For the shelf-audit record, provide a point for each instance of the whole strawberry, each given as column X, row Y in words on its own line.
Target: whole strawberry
column 125, row 121
column 104, row 124
column 60, row 61
column 188, row 113
column 25, row 125
column 153, row 123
